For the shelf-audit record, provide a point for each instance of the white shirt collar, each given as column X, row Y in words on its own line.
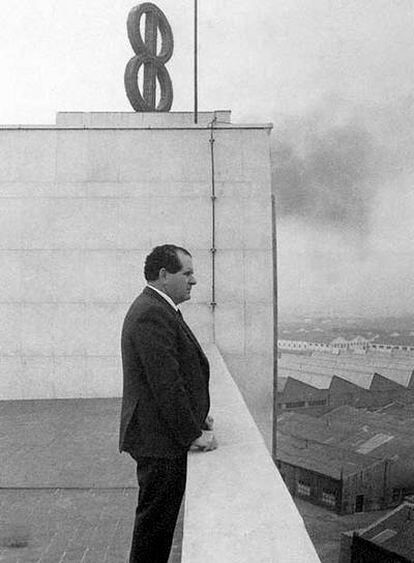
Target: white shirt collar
column 165, row 296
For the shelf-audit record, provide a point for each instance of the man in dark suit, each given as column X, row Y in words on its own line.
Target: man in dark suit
column 165, row 400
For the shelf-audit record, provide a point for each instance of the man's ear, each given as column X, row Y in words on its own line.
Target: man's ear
column 162, row 274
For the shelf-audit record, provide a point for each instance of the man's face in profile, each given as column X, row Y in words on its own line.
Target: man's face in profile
column 178, row 286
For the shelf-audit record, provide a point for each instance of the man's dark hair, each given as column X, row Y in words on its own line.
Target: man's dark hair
column 164, row 256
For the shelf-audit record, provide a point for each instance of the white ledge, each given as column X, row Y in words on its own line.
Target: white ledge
column 237, row 507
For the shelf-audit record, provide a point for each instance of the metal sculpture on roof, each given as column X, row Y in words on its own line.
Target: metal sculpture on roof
column 146, row 55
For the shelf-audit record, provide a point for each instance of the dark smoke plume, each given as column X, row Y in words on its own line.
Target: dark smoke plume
column 322, row 171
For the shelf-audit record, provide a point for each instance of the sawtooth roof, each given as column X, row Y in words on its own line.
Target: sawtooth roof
column 355, row 368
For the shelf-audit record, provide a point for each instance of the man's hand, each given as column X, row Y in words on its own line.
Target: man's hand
column 206, row 442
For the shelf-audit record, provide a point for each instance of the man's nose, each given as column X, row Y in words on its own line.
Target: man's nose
column 193, row 281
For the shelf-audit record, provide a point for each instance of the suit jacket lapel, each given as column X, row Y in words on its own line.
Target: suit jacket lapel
column 148, row 291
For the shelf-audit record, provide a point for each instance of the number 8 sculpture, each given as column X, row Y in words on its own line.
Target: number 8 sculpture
column 146, row 54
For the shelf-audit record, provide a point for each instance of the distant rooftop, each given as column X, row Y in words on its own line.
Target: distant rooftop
column 321, row 458
column 356, row 435
column 393, row 532
column 401, row 541
column 325, row 331
column 319, row 369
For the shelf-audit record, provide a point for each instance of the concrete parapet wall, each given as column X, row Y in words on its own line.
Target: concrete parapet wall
column 237, row 507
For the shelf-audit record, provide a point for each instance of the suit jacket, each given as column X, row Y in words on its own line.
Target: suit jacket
column 165, row 387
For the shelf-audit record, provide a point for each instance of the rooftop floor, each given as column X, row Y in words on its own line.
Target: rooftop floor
column 66, row 494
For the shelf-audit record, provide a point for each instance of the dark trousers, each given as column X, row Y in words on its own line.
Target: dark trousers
column 161, row 488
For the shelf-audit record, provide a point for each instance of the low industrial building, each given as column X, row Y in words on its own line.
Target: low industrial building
column 321, row 382
column 333, row 477
column 317, row 341
column 389, row 539
column 348, row 460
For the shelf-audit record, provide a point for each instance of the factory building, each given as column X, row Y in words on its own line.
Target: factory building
column 331, row 477
column 348, row 460
column 306, row 341
column 321, row 382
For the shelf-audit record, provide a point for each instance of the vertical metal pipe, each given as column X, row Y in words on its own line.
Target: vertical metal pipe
column 195, row 62
column 213, row 221
column 275, row 330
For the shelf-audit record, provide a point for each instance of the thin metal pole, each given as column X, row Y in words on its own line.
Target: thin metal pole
column 213, row 217
column 275, row 331
column 195, row 62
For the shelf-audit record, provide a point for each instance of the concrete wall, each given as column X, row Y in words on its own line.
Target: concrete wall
column 237, row 507
column 295, row 391
column 373, row 483
column 81, row 204
column 317, row 483
column 369, row 483
column 302, row 398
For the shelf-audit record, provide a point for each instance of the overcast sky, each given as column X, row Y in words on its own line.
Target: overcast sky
column 334, row 76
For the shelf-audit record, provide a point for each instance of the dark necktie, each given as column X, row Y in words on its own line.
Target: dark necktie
column 187, row 328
